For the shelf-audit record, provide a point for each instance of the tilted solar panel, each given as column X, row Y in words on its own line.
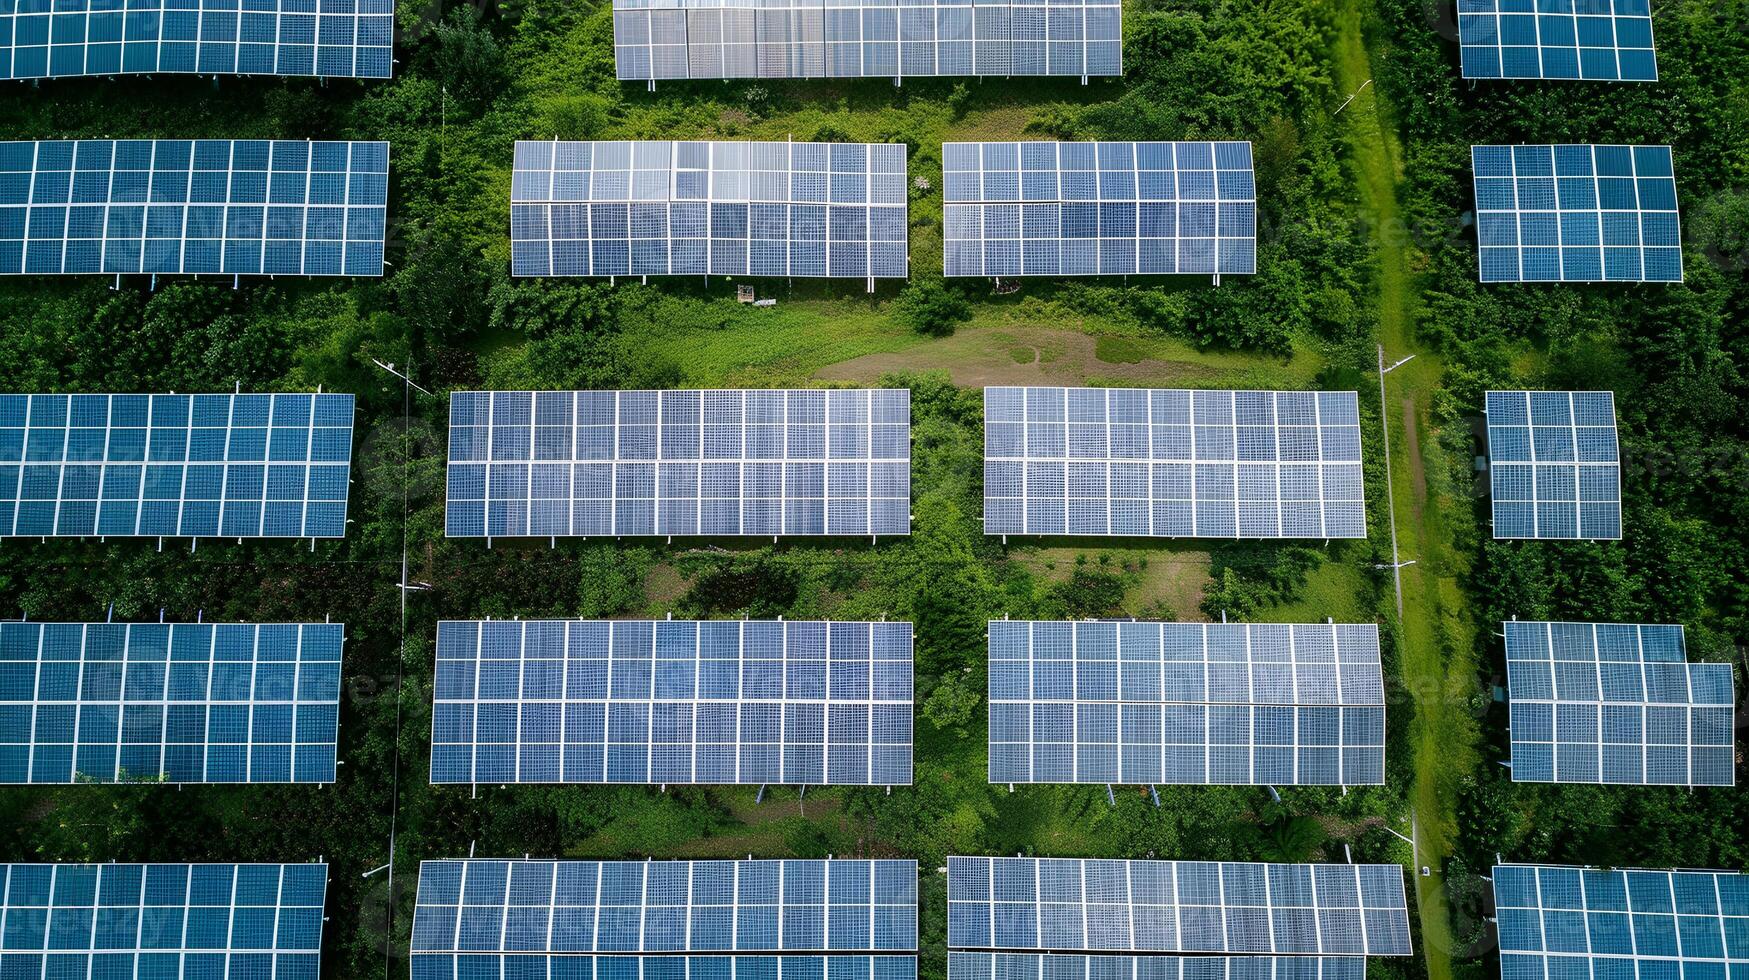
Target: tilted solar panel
column 163, row 920
column 187, row 207
column 724, row 208
column 1554, row 470
column 716, row 462
column 192, row 466
column 1607, row 40
column 566, row 908
column 672, row 701
column 1595, row 924
column 1060, row 966
column 327, row 38
column 1086, row 209
column 1173, row 463
column 1577, row 213
column 1068, row 904
column 1186, row 703
column 169, row 702
column 1617, row 703
column 674, row 39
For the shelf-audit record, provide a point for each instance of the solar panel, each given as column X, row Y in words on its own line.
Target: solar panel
column 169, row 702
column 192, row 466
column 722, row 208
column 662, row 39
column 1086, row 209
column 163, row 920
column 672, row 701
column 1554, row 470
column 553, row 918
column 350, row 39
column 230, row 207
column 1186, row 703
column 1059, row 966
column 1067, row 904
column 1577, row 213
column 1617, row 703
column 1173, row 463
column 1607, row 40
column 715, row 462
column 1592, row 924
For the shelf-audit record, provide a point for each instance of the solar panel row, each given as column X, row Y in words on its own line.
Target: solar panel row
column 1066, row 904
column 1577, row 213
column 163, row 920
column 173, row 703
column 1185, row 703
column 232, row 207
column 1173, row 463
column 1593, row 924
column 471, row 966
column 1554, row 469
column 1608, row 40
column 1047, row 208
column 672, row 39
column 672, row 701
column 716, row 462
column 329, row 38
column 571, row 907
column 175, row 465
column 1059, row 966
column 709, row 208
column 1617, row 703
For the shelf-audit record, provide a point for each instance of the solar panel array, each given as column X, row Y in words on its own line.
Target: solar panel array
column 173, row 703
column 1186, row 703
column 663, row 39
column 198, row 466
column 724, row 208
column 1607, row 40
column 556, row 918
column 1065, row 904
column 1577, row 213
column 1085, row 209
column 1061, row 966
column 163, row 920
column 1173, row 463
column 231, row 207
column 1554, row 470
column 672, row 701
column 1591, row 924
column 1617, row 703
column 715, row 462
column 330, row 38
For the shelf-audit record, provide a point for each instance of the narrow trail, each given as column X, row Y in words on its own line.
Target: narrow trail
column 1434, row 652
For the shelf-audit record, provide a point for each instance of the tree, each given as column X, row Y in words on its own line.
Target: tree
column 953, row 704
column 929, row 307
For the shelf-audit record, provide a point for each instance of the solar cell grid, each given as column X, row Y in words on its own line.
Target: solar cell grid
column 1059, row 966
column 175, row 465
column 637, row 907
column 1172, row 463
column 1596, row 924
column 716, row 462
column 709, row 208
column 450, row 966
column 1577, row 213
column 1607, row 40
column 172, row 703
column 1068, row 904
column 1047, row 208
column 231, row 207
column 1185, row 703
column 1617, row 703
column 676, row 39
column 672, row 701
column 328, row 38
column 163, row 920
column 1554, row 469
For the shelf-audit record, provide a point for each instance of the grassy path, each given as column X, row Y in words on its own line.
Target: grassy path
column 1435, row 648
